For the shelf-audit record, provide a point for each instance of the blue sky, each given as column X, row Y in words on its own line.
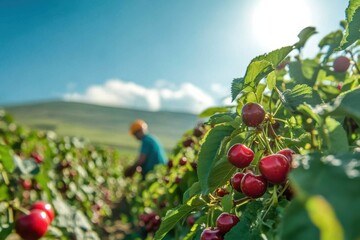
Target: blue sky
column 176, row 55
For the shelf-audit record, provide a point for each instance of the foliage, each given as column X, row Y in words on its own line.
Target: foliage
column 311, row 109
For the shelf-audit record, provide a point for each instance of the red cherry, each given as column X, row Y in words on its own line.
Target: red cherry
column 341, row 64
column 32, row 226
column 221, row 192
column 190, row 220
column 188, row 142
column 274, row 168
column 211, row 234
column 26, row 184
column 288, row 153
column 236, row 181
column 46, row 207
column 253, row 186
column 37, row 157
column 253, row 114
column 198, row 132
column 182, row 161
column 226, row 221
column 240, row 156
column 170, row 164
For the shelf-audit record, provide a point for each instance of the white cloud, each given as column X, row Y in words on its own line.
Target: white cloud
column 163, row 96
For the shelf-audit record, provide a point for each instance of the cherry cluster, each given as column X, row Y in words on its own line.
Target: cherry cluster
column 151, row 221
column 224, row 223
column 34, row 225
column 274, row 168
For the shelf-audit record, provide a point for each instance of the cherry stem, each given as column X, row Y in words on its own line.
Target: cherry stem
column 353, row 59
column 284, row 189
column 4, row 175
column 238, row 202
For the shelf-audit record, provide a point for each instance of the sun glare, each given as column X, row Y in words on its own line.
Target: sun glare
column 276, row 23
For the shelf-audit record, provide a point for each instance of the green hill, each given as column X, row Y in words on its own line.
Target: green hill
column 100, row 124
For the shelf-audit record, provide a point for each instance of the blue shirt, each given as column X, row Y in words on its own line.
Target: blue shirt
column 154, row 152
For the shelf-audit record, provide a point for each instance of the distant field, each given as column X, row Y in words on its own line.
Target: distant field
column 102, row 125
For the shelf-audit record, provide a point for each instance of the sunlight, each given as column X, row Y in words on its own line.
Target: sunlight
column 276, row 23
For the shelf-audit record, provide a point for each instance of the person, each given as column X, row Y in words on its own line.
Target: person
column 151, row 151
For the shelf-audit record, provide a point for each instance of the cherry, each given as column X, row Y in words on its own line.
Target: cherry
column 46, row 207
column 26, row 184
column 37, row 157
column 240, row 156
column 253, row 186
column 190, row 220
column 211, row 234
column 182, row 161
column 188, row 142
column 274, row 168
column 236, row 181
column 194, row 165
column 253, row 114
column 170, row 164
column 32, row 226
column 288, row 153
column 226, row 221
column 198, row 132
column 341, row 64
column 221, row 192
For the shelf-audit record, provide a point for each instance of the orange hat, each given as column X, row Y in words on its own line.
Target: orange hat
column 137, row 125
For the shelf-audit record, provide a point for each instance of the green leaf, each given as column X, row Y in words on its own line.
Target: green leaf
column 296, row 224
column 300, row 94
column 271, row 80
column 220, row 173
column 192, row 191
column 221, row 118
column 173, row 216
column 304, row 35
column 335, row 136
column 259, row 68
column 6, row 230
column 212, row 110
column 6, row 158
column 323, row 216
column 337, row 179
column 347, row 105
column 308, row 110
column 3, row 192
column 352, row 32
column 304, row 72
column 237, row 86
column 227, row 203
column 208, row 153
column 247, row 228
column 331, row 40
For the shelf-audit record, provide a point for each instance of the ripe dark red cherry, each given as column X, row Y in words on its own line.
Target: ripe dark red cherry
column 253, row 186
column 221, row 192
column 236, row 181
column 341, row 64
column 37, row 157
column 226, row 221
column 240, row 155
column 253, row 114
column 46, row 207
column 188, row 142
column 288, row 153
column 274, row 168
column 211, row 234
column 32, row 226
column 182, row 161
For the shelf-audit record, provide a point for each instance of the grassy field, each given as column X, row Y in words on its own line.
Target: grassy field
column 102, row 125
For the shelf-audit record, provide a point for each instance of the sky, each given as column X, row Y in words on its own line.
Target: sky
column 177, row 55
